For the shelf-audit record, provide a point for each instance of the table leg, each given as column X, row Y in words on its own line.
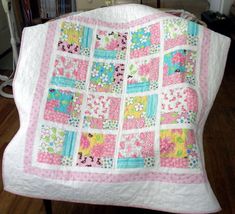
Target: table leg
column 47, row 205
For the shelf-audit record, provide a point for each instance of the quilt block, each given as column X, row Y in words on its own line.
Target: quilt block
column 106, row 77
column 178, row 149
column 136, row 150
column 145, row 41
column 140, row 111
column 180, row 32
column 63, row 107
column 110, row 45
column 69, row 72
column 143, row 75
column 179, row 105
column 56, row 146
column 75, row 38
column 96, row 150
column 102, row 112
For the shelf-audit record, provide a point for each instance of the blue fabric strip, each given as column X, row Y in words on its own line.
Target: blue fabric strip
column 138, row 87
column 69, row 144
column 90, row 32
column 105, row 54
column 63, row 81
column 130, row 163
column 192, row 28
column 87, row 37
column 151, row 105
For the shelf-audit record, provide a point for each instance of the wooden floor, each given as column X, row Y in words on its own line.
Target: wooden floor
column 219, row 146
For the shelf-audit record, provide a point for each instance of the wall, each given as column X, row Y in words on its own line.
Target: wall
column 222, row 6
column 226, row 6
column 216, row 5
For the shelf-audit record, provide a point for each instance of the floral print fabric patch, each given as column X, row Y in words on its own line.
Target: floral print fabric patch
column 102, row 112
column 145, row 41
column 56, row 146
column 106, row 77
column 178, row 149
column 143, row 75
column 179, row 67
column 75, row 39
column 96, row 150
column 110, row 45
column 180, row 32
column 69, row 72
column 63, row 107
column 140, row 111
column 136, row 150
column 179, row 106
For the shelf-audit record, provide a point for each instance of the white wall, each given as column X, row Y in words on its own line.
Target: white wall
column 216, row 5
column 223, row 6
column 227, row 5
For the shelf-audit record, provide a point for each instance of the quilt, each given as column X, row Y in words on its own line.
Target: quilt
column 112, row 105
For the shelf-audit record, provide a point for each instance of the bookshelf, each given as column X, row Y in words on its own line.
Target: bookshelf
column 50, row 9
column 32, row 12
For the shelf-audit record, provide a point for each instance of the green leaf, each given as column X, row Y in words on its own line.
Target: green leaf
column 131, row 66
column 179, row 140
column 47, row 139
column 53, row 137
column 61, row 134
column 133, row 71
column 106, row 39
column 190, row 146
column 179, row 153
column 51, row 150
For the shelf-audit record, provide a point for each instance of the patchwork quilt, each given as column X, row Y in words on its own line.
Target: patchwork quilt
column 112, row 105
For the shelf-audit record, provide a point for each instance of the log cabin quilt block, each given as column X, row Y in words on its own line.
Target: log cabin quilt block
column 145, row 41
column 102, row 112
column 180, row 32
column 140, row 111
column 63, row 107
column 106, row 77
column 179, row 106
column 110, row 44
column 96, row 150
column 56, row 146
column 178, row 149
column 143, row 75
column 69, row 72
column 136, row 150
column 75, row 38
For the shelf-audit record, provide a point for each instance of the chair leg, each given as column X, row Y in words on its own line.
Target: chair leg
column 47, row 205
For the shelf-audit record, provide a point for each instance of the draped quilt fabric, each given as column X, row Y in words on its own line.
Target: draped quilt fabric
column 112, row 106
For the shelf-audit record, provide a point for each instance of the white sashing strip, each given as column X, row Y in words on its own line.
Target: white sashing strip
column 158, row 115
column 122, row 105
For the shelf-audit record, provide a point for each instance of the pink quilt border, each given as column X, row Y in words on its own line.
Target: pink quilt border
column 87, row 176
column 133, row 23
column 204, row 69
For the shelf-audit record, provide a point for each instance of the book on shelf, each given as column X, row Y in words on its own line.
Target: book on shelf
column 53, row 8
